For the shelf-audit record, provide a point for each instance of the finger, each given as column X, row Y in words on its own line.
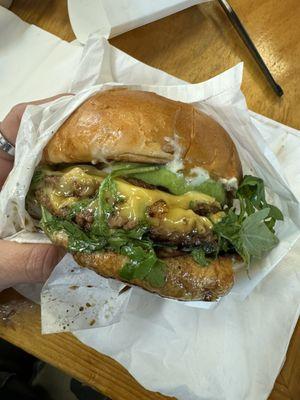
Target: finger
column 10, row 125
column 27, row 263
column 5, row 168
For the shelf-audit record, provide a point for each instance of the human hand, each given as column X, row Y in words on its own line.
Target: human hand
column 22, row 263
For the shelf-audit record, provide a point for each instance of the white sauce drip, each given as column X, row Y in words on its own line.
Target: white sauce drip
column 229, row 184
column 108, row 169
column 176, row 164
column 99, row 158
column 197, row 175
column 97, row 154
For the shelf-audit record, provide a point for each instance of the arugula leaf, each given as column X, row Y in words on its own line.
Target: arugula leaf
column 85, row 246
column 229, row 227
column 251, row 237
column 108, row 196
column 143, row 264
column 229, row 233
column 127, row 271
column 251, row 232
column 77, row 239
column 78, row 207
column 275, row 213
column 251, row 194
column 255, row 235
column 157, row 275
column 142, row 258
column 252, row 188
column 116, row 242
column 199, row 256
column 38, row 176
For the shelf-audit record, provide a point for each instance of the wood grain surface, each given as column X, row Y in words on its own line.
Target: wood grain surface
column 194, row 45
column 20, row 325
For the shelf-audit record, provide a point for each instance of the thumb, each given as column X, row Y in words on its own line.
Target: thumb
column 27, row 263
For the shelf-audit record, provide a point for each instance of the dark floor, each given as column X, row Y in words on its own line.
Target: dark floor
column 23, row 377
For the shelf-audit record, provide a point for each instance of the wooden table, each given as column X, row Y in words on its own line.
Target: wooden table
column 194, row 45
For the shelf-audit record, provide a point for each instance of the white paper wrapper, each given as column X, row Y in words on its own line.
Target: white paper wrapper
column 34, row 64
column 233, row 352
column 220, row 97
column 111, row 18
column 74, row 297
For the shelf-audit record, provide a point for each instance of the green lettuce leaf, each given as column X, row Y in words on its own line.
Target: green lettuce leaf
column 199, row 256
column 77, row 239
column 256, row 237
column 175, row 183
column 250, row 237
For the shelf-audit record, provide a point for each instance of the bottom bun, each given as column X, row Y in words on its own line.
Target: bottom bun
column 185, row 279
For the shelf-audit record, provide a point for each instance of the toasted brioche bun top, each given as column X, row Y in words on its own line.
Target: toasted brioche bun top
column 136, row 126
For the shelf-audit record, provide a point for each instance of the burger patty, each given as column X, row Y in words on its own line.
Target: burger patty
column 44, row 200
column 205, row 209
column 180, row 239
column 78, row 190
column 158, row 233
column 52, row 180
column 161, row 235
column 85, row 219
column 183, row 232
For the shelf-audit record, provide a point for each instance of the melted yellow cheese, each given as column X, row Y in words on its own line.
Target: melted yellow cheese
column 87, row 183
column 217, row 217
column 59, row 202
column 184, row 221
column 178, row 218
column 137, row 199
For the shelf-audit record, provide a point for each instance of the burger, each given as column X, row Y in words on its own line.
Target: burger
column 150, row 191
